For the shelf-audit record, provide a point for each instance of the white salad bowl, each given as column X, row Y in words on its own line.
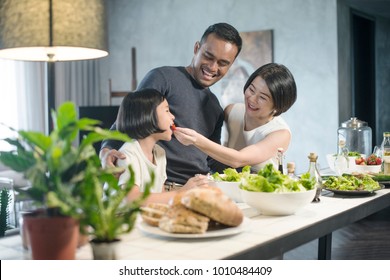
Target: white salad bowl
column 278, row 204
column 231, row 189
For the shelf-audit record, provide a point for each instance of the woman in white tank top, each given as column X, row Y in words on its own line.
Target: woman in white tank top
column 255, row 129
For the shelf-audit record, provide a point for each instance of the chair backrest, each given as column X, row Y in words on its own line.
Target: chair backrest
column 116, row 94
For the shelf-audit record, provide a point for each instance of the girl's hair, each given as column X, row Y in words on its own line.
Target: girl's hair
column 137, row 116
column 280, row 83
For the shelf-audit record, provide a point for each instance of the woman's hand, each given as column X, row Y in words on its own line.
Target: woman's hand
column 186, row 136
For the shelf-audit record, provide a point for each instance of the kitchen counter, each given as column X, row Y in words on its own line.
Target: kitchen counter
column 264, row 237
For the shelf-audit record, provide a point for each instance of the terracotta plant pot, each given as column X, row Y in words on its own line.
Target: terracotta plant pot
column 51, row 238
column 104, row 250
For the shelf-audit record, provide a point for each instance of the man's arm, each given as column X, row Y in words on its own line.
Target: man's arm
column 109, row 151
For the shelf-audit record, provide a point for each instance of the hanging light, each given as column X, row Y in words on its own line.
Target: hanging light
column 52, row 30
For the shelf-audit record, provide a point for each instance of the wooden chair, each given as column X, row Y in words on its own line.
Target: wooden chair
column 115, row 94
column 121, row 94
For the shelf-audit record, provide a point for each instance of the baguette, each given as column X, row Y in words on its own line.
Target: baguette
column 213, row 204
column 153, row 212
column 179, row 219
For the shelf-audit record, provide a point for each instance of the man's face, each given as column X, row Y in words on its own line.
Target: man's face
column 212, row 60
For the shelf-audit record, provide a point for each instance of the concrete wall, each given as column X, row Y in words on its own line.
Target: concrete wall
column 305, row 40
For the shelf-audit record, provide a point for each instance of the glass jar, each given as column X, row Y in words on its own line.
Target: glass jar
column 357, row 136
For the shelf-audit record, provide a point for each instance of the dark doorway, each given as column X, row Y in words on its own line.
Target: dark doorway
column 363, row 70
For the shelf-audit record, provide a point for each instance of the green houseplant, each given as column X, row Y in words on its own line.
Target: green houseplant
column 5, row 199
column 66, row 179
column 106, row 213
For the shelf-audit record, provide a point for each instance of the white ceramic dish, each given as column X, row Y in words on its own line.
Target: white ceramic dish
column 211, row 232
column 330, row 158
column 368, row 168
column 278, row 204
column 231, row 189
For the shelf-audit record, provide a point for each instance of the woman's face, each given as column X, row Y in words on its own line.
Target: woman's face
column 258, row 100
column 165, row 120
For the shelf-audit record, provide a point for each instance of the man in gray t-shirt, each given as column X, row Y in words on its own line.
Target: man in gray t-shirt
column 191, row 101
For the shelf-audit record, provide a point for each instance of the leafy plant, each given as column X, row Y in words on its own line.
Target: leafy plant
column 5, row 199
column 56, row 168
column 108, row 214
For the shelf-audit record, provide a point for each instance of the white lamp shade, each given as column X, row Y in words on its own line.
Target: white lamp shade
column 52, row 30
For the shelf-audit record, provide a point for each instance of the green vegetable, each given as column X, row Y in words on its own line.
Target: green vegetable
column 354, row 154
column 348, row 182
column 269, row 179
column 381, row 177
column 231, row 174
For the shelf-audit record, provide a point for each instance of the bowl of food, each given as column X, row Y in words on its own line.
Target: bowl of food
column 276, row 194
column 371, row 164
column 231, row 189
column 350, row 167
column 278, row 204
column 368, row 168
column 229, row 182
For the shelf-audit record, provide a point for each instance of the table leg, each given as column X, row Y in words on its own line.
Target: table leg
column 325, row 247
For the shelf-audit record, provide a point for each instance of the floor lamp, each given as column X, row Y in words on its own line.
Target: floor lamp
column 50, row 31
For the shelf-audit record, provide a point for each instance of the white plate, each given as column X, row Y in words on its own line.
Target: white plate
column 213, row 232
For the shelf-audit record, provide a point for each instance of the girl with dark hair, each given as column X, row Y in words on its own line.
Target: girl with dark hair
column 256, row 129
column 144, row 115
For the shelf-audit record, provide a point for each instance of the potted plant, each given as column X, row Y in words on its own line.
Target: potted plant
column 61, row 174
column 107, row 214
column 5, row 200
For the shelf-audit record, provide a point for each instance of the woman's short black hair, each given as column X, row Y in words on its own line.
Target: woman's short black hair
column 137, row 116
column 281, row 85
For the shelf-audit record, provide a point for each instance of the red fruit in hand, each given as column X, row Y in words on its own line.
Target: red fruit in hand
column 173, row 127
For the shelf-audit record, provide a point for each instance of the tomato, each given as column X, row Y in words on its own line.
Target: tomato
column 173, row 127
column 374, row 160
column 360, row 161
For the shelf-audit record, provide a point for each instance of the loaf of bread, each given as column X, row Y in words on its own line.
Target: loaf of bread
column 179, row 219
column 153, row 212
column 213, row 204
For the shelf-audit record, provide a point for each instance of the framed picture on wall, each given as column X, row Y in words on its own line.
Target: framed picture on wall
column 257, row 50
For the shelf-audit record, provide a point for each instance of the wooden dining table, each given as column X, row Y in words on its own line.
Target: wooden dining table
column 259, row 237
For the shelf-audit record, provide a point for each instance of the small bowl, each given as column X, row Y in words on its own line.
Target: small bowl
column 368, row 168
column 278, row 204
column 231, row 189
column 330, row 158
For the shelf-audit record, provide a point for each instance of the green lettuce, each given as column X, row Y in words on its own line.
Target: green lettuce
column 269, row 179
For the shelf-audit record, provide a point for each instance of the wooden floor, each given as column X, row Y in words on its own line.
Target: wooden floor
column 367, row 239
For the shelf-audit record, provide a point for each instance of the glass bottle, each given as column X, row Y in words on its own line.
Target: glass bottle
column 291, row 171
column 341, row 161
column 280, row 160
column 385, row 149
column 315, row 174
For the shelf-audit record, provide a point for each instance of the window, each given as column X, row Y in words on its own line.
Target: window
column 8, row 100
